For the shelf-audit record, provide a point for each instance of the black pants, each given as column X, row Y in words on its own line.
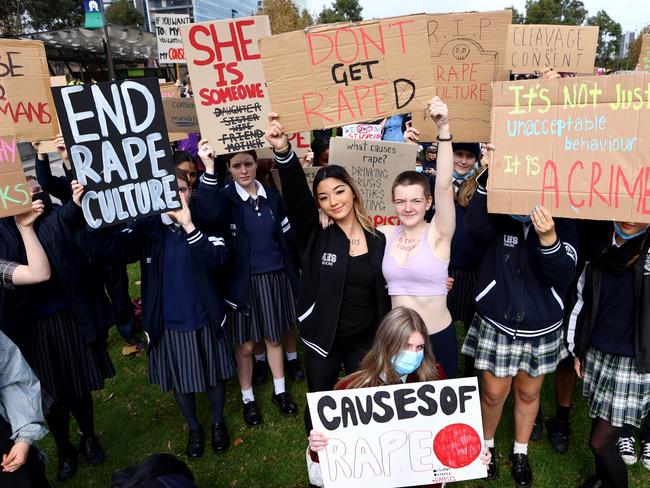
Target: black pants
column 323, row 372
column 445, row 348
column 29, row 475
column 117, row 287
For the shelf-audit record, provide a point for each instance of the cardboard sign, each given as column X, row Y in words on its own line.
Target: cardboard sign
column 168, row 35
column 300, row 143
column 180, row 115
column 578, row 146
column 568, row 48
column 362, row 131
column 169, row 90
column 374, row 165
column 26, row 108
column 333, row 75
column 14, row 193
column 644, row 54
column 228, row 81
column 467, row 54
column 117, row 140
column 310, row 175
column 400, row 435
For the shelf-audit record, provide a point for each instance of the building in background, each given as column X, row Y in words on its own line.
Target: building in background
column 224, row 9
column 150, row 8
column 626, row 41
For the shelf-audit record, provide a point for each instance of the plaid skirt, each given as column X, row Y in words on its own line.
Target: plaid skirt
column 503, row 356
column 191, row 362
column 615, row 390
column 272, row 311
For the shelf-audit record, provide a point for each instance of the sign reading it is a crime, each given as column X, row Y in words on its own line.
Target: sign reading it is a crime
column 228, row 82
column 117, row 140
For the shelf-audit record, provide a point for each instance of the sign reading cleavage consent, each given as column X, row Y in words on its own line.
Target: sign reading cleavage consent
column 400, row 435
column 117, row 141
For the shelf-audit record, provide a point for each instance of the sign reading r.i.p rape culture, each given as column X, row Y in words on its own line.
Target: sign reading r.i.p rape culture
column 400, row 435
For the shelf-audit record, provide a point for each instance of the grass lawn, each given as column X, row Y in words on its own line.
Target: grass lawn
column 134, row 419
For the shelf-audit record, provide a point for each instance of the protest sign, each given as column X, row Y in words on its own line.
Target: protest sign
column 644, row 54
column 300, row 143
column 362, row 131
column 117, row 141
column 568, row 48
column 14, row 193
column 223, row 59
column 467, row 54
column 310, row 174
column 578, row 146
column 333, row 75
column 170, row 45
column 400, row 435
column 169, row 89
column 26, row 109
column 374, row 165
column 180, row 115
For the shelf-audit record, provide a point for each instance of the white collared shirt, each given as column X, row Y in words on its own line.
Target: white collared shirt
column 244, row 195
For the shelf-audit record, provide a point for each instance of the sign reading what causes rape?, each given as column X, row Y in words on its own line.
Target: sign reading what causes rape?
column 117, row 142
column 400, row 435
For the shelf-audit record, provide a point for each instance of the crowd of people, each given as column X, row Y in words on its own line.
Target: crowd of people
column 235, row 277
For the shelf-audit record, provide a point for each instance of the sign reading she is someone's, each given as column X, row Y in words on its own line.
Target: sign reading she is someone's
column 118, row 145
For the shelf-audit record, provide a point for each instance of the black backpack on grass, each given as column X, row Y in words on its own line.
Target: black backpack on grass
column 155, row 471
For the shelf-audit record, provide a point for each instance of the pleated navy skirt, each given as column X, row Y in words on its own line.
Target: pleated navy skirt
column 191, row 362
column 66, row 366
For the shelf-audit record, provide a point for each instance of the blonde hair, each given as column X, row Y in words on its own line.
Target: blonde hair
column 392, row 337
column 467, row 190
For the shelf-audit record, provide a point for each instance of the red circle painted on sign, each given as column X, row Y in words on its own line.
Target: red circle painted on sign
column 457, row 445
column 364, row 129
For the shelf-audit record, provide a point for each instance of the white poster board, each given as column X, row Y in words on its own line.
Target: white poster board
column 362, row 131
column 400, row 435
column 168, row 35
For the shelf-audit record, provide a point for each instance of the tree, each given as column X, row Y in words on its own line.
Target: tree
column 124, row 13
column 341, row 11
column 633, row 52
column 284, row 16
column 24, row 16
column 609, row 38
column 517, row 17
column 568, row 12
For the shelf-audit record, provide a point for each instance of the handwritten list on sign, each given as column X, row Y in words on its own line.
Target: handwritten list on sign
column 228, row 81
column 578, row 146
column 374, row 165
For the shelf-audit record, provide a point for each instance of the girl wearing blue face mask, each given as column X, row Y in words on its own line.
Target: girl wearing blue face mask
column 609, row 335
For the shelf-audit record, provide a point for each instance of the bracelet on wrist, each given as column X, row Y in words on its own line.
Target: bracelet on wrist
column 444, row 139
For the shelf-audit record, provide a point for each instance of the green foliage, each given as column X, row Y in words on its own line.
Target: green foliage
column 124, row 13
column 284, row 16
column 341, row 11
column 22, row 16
column 517, row 17
column 632, row 57
column 568, row 12
column 609, row 38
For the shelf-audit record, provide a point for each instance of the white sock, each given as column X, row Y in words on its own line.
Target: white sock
column 291, row 356
column 247, row 395
column 260, row 357
column 489, row 442
column 278, row 385
column 520, row 448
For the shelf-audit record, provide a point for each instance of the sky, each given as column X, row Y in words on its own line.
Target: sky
column 633, row 15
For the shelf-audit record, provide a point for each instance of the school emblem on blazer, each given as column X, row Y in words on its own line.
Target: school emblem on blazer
column 233, row 230
column 646, row 265
column 328, row 259
column 510, row 241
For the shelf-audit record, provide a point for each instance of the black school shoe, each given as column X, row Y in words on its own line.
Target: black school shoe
column 521, row 472
column 260, row 369
column 195, row 444
column 91, row 450
column 68, row 462
column 558, row 434
column 595, row 483
column 493, row 467
column 252, row 416
column 284, row 403
column 220, row 439
column 538, row 426
column 293, row 371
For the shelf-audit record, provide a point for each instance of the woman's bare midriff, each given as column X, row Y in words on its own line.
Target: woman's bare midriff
column 432, row 309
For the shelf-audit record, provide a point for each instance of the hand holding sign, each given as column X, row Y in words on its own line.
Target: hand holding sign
column 439, row 112
column 544, row 226
column 182, row 216
column 207, row 155
column 276, row 135
column 28, row 219
column 77, row 192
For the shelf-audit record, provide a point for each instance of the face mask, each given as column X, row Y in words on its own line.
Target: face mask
column 627, row 237
column 458, row 176
column 521, row 218
column 418, row 169
column 45, row 198
column 406, row 361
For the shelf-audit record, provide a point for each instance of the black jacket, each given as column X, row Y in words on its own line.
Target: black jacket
column 144, row 240
column 521, row 285
column 584, row 303
column 324, row 256
column 224, row 209
column 57, row 186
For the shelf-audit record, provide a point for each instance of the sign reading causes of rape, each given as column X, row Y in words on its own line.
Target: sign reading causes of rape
column 400, row 435
column 230, row 91
column 14, row 194
column 170, row 46
column 566, row 48
column 180, row 115
column 117, row 140
column 644, row 54
column 467, row 54
column 374, row 165
column 333, row 75
column 26, row 109
column 578, row 146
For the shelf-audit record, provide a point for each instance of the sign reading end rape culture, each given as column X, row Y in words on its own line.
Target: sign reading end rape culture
column 333, row 75
column 228, row 82
column 578, row 146
column 400, row 435
column 117, row 140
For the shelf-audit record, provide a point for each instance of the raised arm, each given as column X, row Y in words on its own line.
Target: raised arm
column 38, row 267
column 445, row 217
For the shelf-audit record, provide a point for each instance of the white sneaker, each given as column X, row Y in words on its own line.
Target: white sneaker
column 645, row 454
column 626, row 449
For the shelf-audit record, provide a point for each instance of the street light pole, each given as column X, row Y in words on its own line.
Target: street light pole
column 107, row 46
